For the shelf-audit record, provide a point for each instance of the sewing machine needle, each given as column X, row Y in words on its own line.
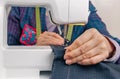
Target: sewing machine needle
column 59, row 30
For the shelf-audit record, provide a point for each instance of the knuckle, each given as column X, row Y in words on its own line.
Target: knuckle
column 84, row 56
column 103, row 47
column 77, row 41
column 93, row 30
column 101, row 39
column 85, row 47
column 54, row 33
column 96, row 34
column 82, row 50
column 48, row 37
column 102, row 51
column 90, row 54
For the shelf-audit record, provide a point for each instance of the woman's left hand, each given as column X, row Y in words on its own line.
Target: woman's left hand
column 89, row 48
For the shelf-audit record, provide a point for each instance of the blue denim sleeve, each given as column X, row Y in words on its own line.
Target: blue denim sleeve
column 116, row 55
column 13, row 27
column 94, row 21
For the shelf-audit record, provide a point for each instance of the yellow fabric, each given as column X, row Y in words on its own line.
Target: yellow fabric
column 70, row 30
column 38, row 22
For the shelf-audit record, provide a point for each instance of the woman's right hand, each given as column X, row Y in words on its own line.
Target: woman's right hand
column 49, row 38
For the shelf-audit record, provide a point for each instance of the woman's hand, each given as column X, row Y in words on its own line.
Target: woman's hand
column 49, row 38
column 89, row 48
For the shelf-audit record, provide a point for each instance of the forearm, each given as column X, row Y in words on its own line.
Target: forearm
column 13, row 30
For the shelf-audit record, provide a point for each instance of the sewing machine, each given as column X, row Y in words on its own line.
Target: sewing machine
column 22, row 62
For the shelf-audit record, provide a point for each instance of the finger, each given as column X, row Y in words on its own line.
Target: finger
column 54, row 35
column 86, row 36
column 73, row 53
column 91, row 44
column 94, row 60
column 93, row 52
column 48, row 40
column 67, row 56
column 42, row 42
column 50, row 43
column 67, row 50
column 54, row 41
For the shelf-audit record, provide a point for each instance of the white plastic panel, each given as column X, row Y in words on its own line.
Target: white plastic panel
column 26, row 2
column 70, row 11
column 78, row 11
column 59, row 11
column 28, row 57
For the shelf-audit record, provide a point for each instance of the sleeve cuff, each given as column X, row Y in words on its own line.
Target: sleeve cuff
column 116, row 55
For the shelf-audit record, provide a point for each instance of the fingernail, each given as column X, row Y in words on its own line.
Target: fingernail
column 68, row 51
column 66, row 48
column 68, row 62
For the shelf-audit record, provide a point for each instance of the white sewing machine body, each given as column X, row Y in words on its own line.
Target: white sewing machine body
column 22, row 62
column 62, row 11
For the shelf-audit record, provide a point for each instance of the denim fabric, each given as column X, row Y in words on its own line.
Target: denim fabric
column 60, row 70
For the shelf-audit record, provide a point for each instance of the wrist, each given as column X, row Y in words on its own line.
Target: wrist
column 111, row 48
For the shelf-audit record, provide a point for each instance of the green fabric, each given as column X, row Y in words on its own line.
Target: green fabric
column 38, row 22
column 69, row 33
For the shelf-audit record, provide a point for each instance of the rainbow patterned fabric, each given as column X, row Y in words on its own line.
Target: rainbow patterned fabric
column 28, row 36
